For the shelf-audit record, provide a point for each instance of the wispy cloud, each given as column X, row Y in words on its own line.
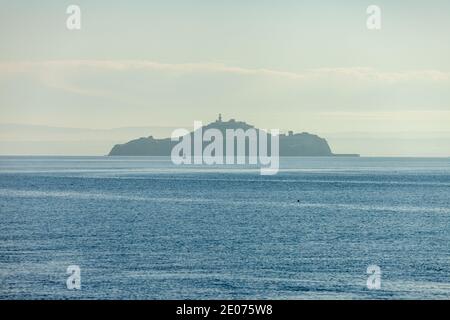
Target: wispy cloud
column 58, row 81
column 405, row 115
column 352, row 73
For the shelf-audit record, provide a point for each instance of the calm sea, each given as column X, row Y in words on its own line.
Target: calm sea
column 141, row 228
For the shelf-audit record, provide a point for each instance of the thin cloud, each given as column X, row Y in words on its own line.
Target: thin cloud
column 419, row 115
column 352, row 73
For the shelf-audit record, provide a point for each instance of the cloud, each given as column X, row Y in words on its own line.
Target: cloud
column 404, row 115
column 352, row 73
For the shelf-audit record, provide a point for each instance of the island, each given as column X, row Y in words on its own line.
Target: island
column 290, row 144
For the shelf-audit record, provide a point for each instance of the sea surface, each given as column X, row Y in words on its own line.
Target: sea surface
column 143, row 228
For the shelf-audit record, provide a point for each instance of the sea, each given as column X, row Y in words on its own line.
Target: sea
column 144, row 228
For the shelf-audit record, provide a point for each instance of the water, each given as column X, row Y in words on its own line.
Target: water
column 140, row 228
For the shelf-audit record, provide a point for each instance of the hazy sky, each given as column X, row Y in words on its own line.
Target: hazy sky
column 299, row 65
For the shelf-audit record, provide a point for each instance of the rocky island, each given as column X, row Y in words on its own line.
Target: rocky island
column 290, row 144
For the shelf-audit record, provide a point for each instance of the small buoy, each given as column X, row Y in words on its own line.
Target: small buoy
column 298, row 200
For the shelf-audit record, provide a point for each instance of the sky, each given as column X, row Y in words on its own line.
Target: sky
column 288, row 65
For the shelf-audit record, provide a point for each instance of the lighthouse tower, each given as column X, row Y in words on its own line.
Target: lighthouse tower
column 220, row 118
